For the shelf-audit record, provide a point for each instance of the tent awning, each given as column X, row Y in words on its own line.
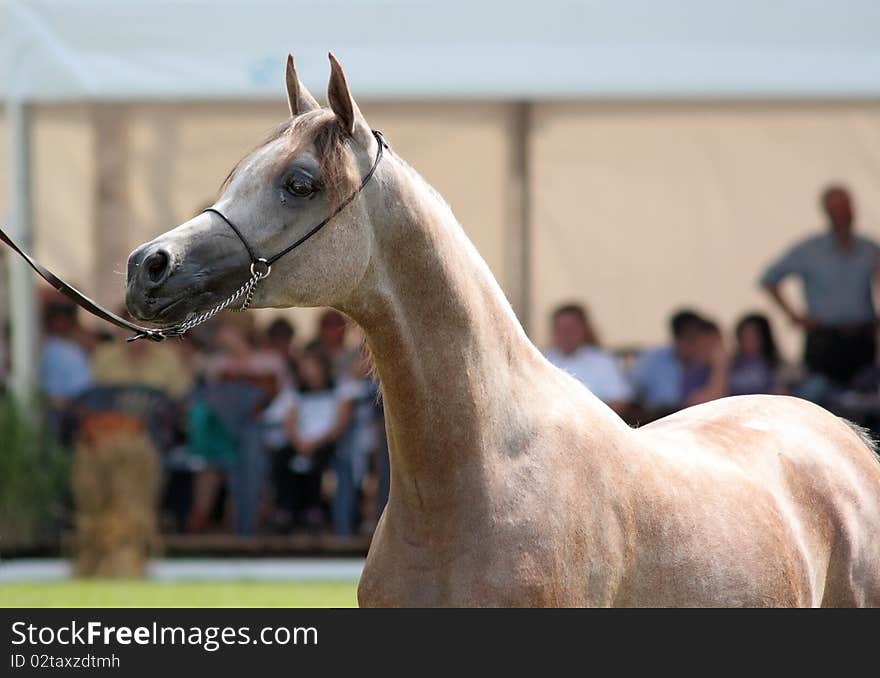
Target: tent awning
column 223, row 49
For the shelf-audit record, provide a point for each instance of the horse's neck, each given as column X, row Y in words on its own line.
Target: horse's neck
column 454, row 362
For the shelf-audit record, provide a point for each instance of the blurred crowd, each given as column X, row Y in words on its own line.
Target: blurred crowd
column 838, row 270
column 263, row 433
column 696, row 366
column 259, row 432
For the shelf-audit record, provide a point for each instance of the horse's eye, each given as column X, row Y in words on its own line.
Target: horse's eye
column 300, row 186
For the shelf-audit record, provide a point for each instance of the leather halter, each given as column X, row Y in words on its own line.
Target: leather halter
column 260, row 268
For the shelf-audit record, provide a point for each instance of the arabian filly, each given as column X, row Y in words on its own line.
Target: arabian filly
column 511, row 484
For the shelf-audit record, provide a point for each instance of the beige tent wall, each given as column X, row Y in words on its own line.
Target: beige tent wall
column 640, row 208
column 462, row 150
column 61, row 168
column 637, row 208
column 63, row 181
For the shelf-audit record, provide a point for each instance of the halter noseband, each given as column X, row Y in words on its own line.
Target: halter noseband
column 260, row 268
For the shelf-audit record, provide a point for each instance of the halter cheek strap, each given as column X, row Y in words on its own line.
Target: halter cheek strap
column 260, row 268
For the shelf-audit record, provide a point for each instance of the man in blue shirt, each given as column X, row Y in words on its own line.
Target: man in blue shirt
column 66, row 371
column 659, row 374
column 838, row 270
column 64, row 364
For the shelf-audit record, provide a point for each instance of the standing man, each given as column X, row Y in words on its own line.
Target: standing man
column 838, row 270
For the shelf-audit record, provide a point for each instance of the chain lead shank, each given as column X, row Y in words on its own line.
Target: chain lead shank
column 247, row 290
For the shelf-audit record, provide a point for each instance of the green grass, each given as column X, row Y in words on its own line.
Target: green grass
column 127, row 593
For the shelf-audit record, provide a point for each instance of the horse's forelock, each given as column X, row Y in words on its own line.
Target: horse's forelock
column 320, row 129
column 331, row 144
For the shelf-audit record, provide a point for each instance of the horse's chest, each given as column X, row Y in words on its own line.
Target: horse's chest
column 494, row 570
column 464, row 585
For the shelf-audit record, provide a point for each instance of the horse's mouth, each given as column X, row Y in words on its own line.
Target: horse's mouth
column 169, row 313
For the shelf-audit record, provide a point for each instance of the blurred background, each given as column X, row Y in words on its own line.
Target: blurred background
column 618, row 165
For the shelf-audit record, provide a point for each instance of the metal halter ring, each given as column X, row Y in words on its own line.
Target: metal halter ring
column 260, row 269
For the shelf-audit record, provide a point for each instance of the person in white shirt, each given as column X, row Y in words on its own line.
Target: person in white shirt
column 575, row 350
column 317, row 417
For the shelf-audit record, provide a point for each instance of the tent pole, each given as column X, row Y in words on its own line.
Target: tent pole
column 22, row 293
column 518, row 254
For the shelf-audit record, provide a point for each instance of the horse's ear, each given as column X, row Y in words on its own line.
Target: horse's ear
column 299, row 99
column 342, row 103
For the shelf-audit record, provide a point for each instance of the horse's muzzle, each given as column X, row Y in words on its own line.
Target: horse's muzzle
column 169, row 281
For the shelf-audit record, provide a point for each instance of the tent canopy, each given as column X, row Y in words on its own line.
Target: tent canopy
column 225, row 49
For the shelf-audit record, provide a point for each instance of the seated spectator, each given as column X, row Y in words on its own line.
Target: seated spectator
column 575, row 350
column 319, row 417
column 756, row 363
column 276, row 440
column 141, row 362
column 706, row 373
column 658, row 375
column 358, row 443
column 66, row 370
column 225, row 422
column 239, row 357
column 280, row 336
column 332, row 329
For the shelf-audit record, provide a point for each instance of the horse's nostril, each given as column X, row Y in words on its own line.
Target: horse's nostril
column 156, row 266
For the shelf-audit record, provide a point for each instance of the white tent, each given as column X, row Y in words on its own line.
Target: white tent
column 229, row 49
column 142, row 50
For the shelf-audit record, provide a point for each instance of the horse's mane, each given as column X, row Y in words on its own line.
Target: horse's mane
column 865, row 436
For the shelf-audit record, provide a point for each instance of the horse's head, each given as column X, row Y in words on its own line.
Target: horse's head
column 276, row 195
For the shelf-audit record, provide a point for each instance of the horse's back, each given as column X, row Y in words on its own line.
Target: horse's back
column 815, row 472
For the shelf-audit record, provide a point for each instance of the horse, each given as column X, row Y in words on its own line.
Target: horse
column 511, row 483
